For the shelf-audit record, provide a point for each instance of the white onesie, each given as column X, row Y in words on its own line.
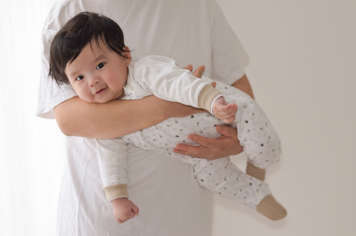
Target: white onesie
column 161, row 77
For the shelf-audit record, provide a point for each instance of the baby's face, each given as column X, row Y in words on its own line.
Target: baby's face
column 98, row 74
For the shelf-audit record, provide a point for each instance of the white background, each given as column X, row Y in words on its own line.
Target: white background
column 303, row 73
column 31, row 149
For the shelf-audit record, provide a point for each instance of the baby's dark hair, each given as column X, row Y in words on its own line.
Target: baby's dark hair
column 84, row 28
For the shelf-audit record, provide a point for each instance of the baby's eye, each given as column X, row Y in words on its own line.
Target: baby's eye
column 100, row 65
column 80, row 77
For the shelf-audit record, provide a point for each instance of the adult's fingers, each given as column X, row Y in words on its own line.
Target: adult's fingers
column 220, row 147
column 201, row 140
column 225, row 130
column 189, row 67
column 194, row 151
column 199, row 71
column 187, row 149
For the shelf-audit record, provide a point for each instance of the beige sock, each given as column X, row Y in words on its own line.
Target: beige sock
column 255, row 171
column 270, row 208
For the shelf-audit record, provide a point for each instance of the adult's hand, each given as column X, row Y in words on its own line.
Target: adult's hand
column 225, row 145
column 212, row 148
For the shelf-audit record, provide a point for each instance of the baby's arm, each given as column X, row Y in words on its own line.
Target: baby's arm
column 112, row 157
column 161, row 77
column 166, row 80
column 117, row 118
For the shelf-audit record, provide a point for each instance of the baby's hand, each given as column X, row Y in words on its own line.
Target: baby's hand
column 223, row 111
column 124, row 209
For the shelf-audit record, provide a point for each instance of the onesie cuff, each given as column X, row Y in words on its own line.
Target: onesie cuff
column 116, row 191
column 207, row 96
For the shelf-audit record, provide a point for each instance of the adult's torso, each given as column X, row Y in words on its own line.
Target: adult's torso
column 170, row 201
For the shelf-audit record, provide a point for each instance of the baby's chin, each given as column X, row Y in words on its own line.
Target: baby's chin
column 97, row 101
column 106, row 99
column 102, row 101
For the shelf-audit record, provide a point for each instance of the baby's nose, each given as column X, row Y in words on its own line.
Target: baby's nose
column 93, row 81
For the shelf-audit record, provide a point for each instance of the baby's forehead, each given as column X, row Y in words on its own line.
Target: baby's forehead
column 89, row 56
column 93, row 50
column 98, row 46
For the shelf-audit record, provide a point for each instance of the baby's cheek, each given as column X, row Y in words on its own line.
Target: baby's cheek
column 85, row 96
column 116, row 82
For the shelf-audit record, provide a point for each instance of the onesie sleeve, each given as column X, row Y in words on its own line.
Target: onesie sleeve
column 112, row 158
column 164, row 79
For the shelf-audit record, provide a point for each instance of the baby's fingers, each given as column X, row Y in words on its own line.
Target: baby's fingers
column 128, row 216
column 135, row 210
column 229, row 119
column 228, row 115
column 226, row 110
column 230, row 108
column 130, row 213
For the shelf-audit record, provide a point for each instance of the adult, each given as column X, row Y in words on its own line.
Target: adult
column 170, row 201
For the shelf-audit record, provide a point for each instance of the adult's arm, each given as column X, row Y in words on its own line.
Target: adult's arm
column 244, row 84
column 114, row 119
column 225, row 145
column 117, row 118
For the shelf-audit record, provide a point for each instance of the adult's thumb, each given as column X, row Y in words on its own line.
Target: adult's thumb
column 225, row 130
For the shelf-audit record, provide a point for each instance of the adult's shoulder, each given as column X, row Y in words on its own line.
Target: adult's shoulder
column 60, row 12
column 50, row 94
column 151, row 66
column 152, row 60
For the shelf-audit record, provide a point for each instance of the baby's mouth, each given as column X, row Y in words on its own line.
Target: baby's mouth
column 100, row 90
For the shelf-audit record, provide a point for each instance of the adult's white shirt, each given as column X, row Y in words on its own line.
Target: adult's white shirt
column 171, row 203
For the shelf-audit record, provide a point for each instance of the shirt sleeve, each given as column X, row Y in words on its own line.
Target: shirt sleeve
column 229, row 59
column 50, row 94
column 164, row 79
column 112, row 159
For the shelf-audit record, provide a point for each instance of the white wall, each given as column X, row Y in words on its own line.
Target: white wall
column 31, row 149
column 303, row 73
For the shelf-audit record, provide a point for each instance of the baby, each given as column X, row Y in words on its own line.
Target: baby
column 89, row 54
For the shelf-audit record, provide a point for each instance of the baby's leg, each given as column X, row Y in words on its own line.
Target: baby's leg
column 221, row 176
column 258, row 138
column 255, row 132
